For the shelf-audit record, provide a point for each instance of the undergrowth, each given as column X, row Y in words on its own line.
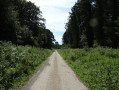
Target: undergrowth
column 17, row 63
column 97, row 67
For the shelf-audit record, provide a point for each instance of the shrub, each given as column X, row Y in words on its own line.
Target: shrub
column 17, row 62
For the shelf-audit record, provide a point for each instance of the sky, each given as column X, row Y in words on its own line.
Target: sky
column 56, row 13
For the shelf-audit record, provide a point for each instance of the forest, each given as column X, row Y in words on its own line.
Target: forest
column 93, row 23
column 89, row 45
column 22, row 23
column 25, row 42
column 91, row 42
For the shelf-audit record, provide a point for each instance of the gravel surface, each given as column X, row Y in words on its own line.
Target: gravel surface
column 55, row 74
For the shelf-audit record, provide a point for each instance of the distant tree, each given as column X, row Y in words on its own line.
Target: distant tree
column 57, row 46
column 50, row 38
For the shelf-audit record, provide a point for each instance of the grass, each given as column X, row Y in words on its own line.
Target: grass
column 97, row 67
column 18, row 63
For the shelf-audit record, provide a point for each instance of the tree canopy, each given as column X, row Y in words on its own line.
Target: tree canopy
column 93, row 22
column 21, row 22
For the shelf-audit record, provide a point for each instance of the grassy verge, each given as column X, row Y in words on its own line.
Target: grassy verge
column 18, row 63
column 97, row 67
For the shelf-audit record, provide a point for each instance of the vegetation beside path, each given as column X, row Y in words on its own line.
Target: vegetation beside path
column 97, row 67
column 18, row 63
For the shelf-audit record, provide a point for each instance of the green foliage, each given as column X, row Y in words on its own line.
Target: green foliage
column 97, row 67
column 94, row 20
column 21, row 22
column 83, row 41
column 9, row 24
column 18, row 62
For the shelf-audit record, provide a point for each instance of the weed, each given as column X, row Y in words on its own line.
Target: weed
column 97, row 67
column 18, row 62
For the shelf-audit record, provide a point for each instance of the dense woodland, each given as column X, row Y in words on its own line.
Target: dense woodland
column 93, row 23
column 21, row 22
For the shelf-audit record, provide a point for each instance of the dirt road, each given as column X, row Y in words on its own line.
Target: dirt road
column 55, row 74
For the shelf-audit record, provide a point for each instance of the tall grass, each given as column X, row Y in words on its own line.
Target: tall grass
column 18, row 62
column 97, row 67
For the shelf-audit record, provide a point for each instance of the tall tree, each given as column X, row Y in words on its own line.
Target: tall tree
column 50, row 39
column 93, row 22
column 9, row 24
column 22, row 23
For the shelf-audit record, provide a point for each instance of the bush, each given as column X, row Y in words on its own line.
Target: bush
column 17, row 62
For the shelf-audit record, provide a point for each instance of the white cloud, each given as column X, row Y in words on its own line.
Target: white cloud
column 56, row 14
column 54, row 3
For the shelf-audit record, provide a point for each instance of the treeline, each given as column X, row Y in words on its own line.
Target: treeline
column 21, row 22
column 93, row 23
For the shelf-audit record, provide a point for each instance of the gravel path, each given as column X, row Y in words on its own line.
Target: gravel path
column 55, row 74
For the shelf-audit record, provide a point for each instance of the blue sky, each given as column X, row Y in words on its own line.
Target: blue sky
column 56, row 13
